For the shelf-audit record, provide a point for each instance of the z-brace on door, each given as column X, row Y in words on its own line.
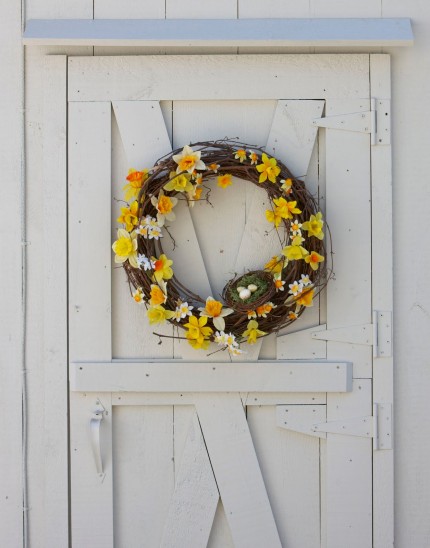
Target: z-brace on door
column 286, row 446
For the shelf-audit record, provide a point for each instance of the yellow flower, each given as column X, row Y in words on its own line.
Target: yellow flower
column 286, row 185
column 125, row 247
column 197, row 332
column 305, row 298
column 313, row 259
column 294, row 252
column 213, row 167
column 268, row 169
column 240, row 155
column 314, row 226
column 276, row 264
column 292, row 316
column 135, row 182
column 129, row 216
column 180, row 183
column 164, row 206
column 265, row 309
column 253, row 156
column 282, row 210
column 188, row 160
column 214, row 309
column 162, row 268
column 158, row 314
column 224, row 180
column 252, row 332
column 158, row 294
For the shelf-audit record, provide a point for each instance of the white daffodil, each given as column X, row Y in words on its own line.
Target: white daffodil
column 154, row 233
column 236, row 351
column 295, row 288
column 145, row 263
column 188, row 160
column 221, row 338
column 214, row 309
column 182, row 311
column 164, row 206
column 305, row 280
column 138, row 295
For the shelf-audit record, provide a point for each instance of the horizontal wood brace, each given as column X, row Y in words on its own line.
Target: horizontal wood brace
column 261, row 376
column 219, row 32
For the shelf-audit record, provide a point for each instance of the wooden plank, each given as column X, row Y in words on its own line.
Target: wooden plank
column 90, row 254
column 237, row 471
column 299, row 345
column 202, row 9
column 349, row 472
column 220, row 32
column 194, row 502
column 259, row 376
column 143, row 473
column 55, row 300
column 91, row 494
column 289, row 464
column 382, row 299
column 161, row 77
column 132, row 9
column 11, row 277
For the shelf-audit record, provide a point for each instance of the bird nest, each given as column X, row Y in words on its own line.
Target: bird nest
column 253, row 304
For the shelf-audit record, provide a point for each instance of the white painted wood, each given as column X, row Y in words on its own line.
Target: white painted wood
column 301, row 418
column 194, row 502
column 132, row 9
column 202, row 9
column 151, row 376
column 354, row 334
column 91, row 495
column 90, row 254
column 382, row 299
column 12, row 83
column 237, row 472
column 300, row 345
column 349, row 472
column 143, row 473
column 216, row 32
column 55, row 299
column 291, row 474
column 161, row 77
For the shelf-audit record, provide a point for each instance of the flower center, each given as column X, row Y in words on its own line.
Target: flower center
column 124, row 247
column 164, row 205
column 186, row 163
column 158, row 265
column 214, row 308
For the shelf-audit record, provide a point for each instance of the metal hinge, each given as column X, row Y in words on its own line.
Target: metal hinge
column 377, row 426
column 377, row 122
column 377, row 334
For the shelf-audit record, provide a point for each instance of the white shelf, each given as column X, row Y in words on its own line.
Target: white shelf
column 216, row 32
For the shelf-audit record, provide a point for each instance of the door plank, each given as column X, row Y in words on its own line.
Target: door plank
column 90, row 252
column 92, row 496
column 194, row 502
column 237, row 471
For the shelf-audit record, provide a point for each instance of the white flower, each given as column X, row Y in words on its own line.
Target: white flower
column 182, row 311
column 221, row 338
column 138, row 295
column 295, row 228
column 295, row 288
column 149, row 221
column 305, row 280
column 188, row 160
column 236, row 351
column 154, row 233
column 144, row 262
column 214, row 309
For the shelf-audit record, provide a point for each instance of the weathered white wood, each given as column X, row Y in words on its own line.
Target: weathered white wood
column 290, row 470
column 382, row 299
column 299, row 345
column 220, row 32
column 55, row 299
column 91, row 494
column 202, row 9
column 150, row 376
column 143, row 473
column 237, row 471
column 133, row 9
column 194, row 502
column 11, row 345
column 349, row 472
column 301, row 418
column 90, row 253
column 161, row 77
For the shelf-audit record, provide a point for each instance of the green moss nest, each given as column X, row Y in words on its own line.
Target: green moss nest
column 249, row 279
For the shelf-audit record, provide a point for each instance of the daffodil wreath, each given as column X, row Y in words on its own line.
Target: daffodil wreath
column 252, row 305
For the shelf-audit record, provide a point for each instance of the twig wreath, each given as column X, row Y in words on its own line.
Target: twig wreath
column 252, row 305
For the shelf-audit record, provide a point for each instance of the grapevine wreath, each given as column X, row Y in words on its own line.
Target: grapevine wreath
column 253, row 304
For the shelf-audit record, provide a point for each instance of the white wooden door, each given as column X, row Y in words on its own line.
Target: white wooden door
column 171, row 452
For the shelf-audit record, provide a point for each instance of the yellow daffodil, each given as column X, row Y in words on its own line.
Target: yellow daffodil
column 129, row 216
column 158, row 314
column 138, row 295
column 214, row 309
column 158, row 293
column 224, row 180
column 286, row 185
column 305, row 298
column 276, row 264
column 240, row 155
column 251, row 314
column 135, row 182
column 252, row 332
column 125, row 247
column 164, row 206
column 268, row 169
column 294, row 252
column 179, row 183
column 314, row 226
column 253, row 156
column 282, row 210
column 188, row 160
column 197, row 333
column 292, row 316
column 162, row 270
column 265, row 309
column 313, row 259
column 194, row 195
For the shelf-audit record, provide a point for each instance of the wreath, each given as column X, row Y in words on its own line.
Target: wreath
column 252, row 305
